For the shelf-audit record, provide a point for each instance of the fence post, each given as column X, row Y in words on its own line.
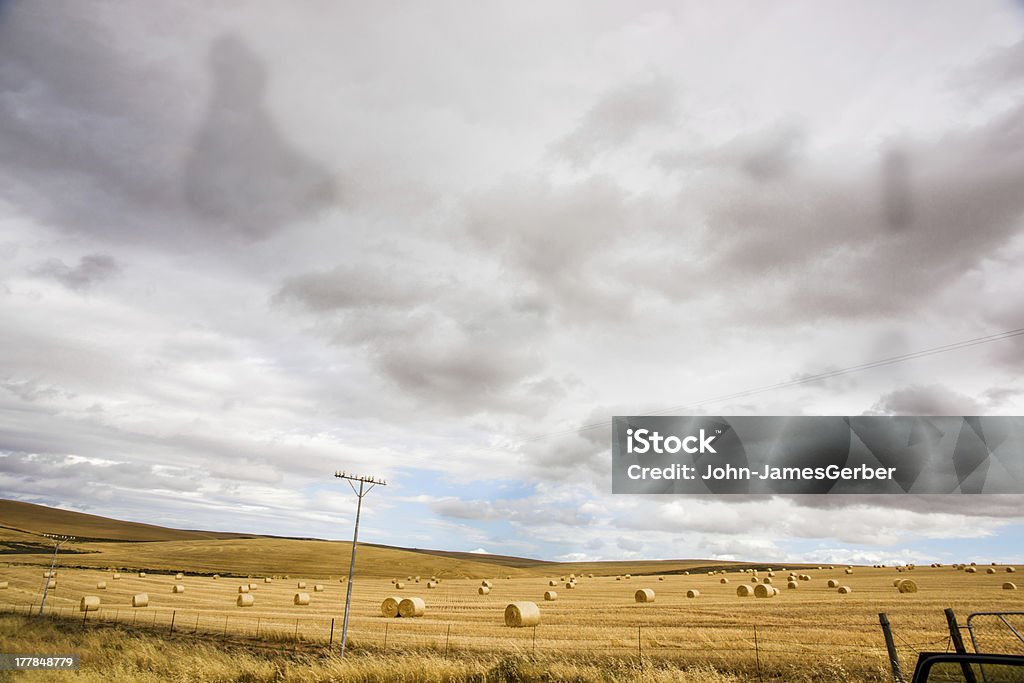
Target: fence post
column 225, row 625
column 174, row 612
column 639, row 647
column 958, row 645
column 330, row 643
column 890, row 645
column 757, row 654
column 195, row 629
column 85, row 616
column 258, row 626
column 446, row 638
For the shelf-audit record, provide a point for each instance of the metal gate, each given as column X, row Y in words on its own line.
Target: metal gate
column 997, row 632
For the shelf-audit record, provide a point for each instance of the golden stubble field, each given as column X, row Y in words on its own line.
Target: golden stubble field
column 597, row 618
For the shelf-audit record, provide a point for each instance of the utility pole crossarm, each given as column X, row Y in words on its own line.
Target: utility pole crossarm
column 351, row 479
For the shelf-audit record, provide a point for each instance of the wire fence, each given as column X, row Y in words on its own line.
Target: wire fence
column 997, row 632
column 754, row 647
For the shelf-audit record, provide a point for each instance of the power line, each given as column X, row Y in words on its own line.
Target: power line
column 946, row 348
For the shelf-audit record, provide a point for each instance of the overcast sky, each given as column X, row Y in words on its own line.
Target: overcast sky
column 245, row 245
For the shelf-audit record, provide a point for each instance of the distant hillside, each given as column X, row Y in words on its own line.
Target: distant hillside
column 21, row 521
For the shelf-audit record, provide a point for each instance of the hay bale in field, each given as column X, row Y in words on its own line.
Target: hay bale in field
column 753, row 579
column 845, row 589
column 1010, row 570
column 617, row 578
column 300, row 584
column 899, row 569
column 483, row 590
column 744, row 591
column 216, row 577
column 140, row 600
column 142, row 575
column 644, row 595
column 50, row 575
column 849, row 571
column 550, row 596
column 832, row 583
column 244, row 588
column 990, row 570
column 590, row 576
column 570, row 585
column 4, row 585
column 792, row 584
column 318, row 588
column 115, row 576
column 974, row 564
column 906, row 586
column 971, row 570
column 101, row 585
column 253, row 586
column 417, row 579
column 896, row 583
column 302, row 598
column 552, row 582
column 487, row 584
column 804, row 577
column 389, row 608
column 431, row 584
column 661, row 578
column 179, row 576
column 89, row 603
column 522, row 614
column 771, row 573
column 767, row 580
column 246, row 600
column 413, row 607
column 765, row 591
column 629, row 576
column 692, row 593
column 267, row 579
column 686, row 573
column 399, row 585
column 178, row 588
column 1009, row 586
column 51, row 584
column 723, row 580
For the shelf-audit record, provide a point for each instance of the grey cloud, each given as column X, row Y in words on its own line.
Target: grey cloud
column 90, row 271
column 617, row 117
column 358, row 286
column 520, row 512
column 934, row 399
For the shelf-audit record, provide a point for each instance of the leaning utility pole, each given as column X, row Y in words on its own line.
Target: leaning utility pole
column 58, row 540
column 360, row 492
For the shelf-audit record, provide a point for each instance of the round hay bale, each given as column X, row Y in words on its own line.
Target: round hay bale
column 753, row 579
column 805, row 577
column 302, row 598
column 408, row 578
column 744, row 591
column 849, row 571
column 431, row 584
column 389, row 608
column 767, row 580
column 723, row 580
column 4, row 585
column 550, row 596
column 318, row 588
column 771, row 573
column 644, row 595
column 399, row 585
column 142, row 575
column 522, row 614
column 50, row 575
column 179, row 576
column 990, row 570
column 89, row 603
column 267, row 579
column 971, row 570
column 51, row 584
column 487, row 584
column 417, row 579
column 1010, row 570
column 569, row 585
column 1009, row 586
column 178, row 588
column 765, row 591
column 246, row 600
column 628, row 576
column 115, row 576
column 300, row 584
column 244, row 588
column 896, row 583
column 661, row 578
column 253, row 586
column 792, row 584
column 906, row 586
column 590, row 576
column 140, row 600
column 216, row 577
column 832, row 583
column 101, row 585
column 693, row 593
column 553, row 583
column 974, row 564
column 845, row 589
column 413, row 607
column 483, row 590
column 686, row 573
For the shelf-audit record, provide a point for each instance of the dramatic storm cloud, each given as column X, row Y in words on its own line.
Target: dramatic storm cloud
column 243, row 246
